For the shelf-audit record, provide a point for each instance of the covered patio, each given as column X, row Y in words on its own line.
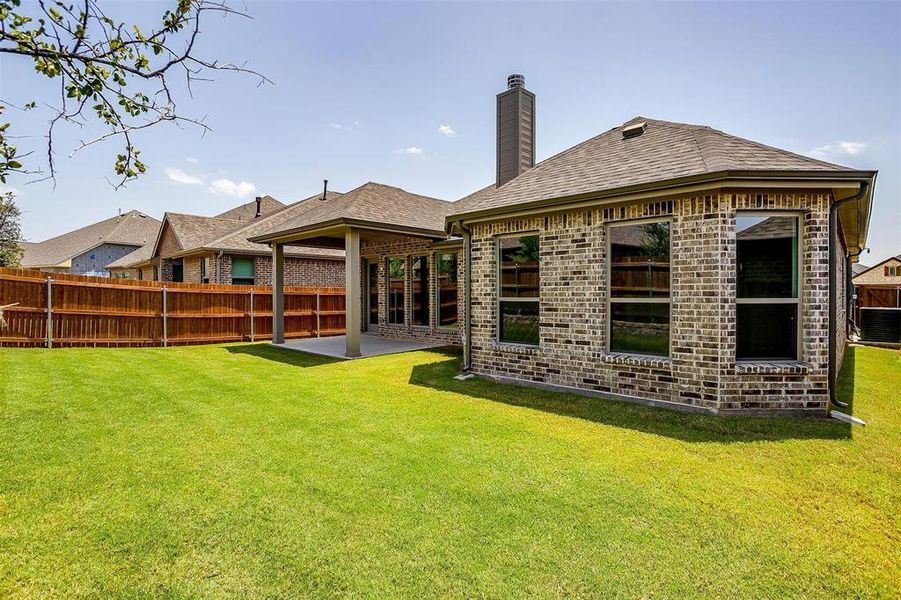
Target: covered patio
column 370, row 345
column 373, row 215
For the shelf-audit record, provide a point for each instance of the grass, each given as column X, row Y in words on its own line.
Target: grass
column 245, row 470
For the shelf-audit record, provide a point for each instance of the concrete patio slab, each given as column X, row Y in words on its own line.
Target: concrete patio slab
column 370, row 345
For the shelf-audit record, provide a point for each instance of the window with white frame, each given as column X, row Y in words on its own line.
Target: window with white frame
column 518, row 277
column 639, row 298
column 767, row 286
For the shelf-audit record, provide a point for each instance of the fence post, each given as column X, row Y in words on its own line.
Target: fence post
column 317, row 313
column 50, row 312
column 251, row 315
column 165, row 323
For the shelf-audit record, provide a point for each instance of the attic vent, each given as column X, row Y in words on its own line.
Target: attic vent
column 634, row 130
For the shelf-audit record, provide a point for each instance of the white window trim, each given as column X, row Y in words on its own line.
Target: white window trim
column 611, row 300
column 498, row 287
column 799, row 329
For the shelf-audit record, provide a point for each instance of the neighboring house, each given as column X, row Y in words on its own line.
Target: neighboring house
column 197, row 249
column 90, row 250
column 877, row 307
column 658, row 262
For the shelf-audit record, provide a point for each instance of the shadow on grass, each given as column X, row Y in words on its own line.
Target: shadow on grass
column 294, row 358
column 687, row 427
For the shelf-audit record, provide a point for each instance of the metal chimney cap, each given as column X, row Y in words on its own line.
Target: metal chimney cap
column 516, row 80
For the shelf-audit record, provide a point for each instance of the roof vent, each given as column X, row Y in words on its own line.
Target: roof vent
column 634, row 130
column 516, row 80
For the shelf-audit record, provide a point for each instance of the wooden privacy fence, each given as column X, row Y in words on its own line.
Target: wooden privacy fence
column 73, row 310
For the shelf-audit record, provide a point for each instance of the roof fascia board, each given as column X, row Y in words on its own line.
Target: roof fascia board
column 337, row 226
column 849, row 180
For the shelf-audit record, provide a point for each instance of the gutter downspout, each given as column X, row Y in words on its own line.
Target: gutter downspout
column 219, row 267
column 833, row 225
column 467, row 322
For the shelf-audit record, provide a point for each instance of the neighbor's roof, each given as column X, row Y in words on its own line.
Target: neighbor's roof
column 191, row 231
column 248, row 211
column 130, row 229
column 664, row 151
column 371, row 205
column 237, row 241
column 857, row 269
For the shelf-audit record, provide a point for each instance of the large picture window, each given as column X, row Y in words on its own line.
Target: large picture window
column 518, row 286
column 446, row 266
column 767, row 253
column 639, row 310
column 396, row 287
column 420, row 289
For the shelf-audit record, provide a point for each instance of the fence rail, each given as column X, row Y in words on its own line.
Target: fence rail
column 73, row 310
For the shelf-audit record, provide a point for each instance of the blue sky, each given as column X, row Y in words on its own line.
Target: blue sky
column 361, row 92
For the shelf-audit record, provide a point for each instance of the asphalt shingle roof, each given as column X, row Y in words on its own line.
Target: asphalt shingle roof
column 192, row 231
column 236, row 241
column 130, row 229
column 373, row 203
column 248, row 211
column 665, row 150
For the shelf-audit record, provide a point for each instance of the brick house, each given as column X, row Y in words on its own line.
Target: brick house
column 657, row 262
column 198, row 249
column 877, row 306
column 91, row 249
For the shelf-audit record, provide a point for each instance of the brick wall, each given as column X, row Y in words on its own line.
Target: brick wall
column 877, row 276
column 407, row 247
column 701, row 370
column 191, row 269
column 304, row 272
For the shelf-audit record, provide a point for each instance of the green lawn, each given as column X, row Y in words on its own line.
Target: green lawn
column 250, row 471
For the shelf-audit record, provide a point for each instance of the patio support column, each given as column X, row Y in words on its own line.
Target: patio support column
column 278, row 294
column 352, row 290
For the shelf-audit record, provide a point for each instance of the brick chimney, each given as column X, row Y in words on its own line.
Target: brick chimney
column 515, row 130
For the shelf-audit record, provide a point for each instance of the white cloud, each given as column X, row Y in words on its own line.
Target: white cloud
column 336, row 125
column 409, row 150
column 192, row 160
column 839, row 148
column 227, row 187
column 446, row 130
column 179, row 176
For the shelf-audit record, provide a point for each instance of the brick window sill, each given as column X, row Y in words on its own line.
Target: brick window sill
column 514, row 348
column 638, row 360
column 764, row 367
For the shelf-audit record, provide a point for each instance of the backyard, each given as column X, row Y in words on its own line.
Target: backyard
column 254, row 471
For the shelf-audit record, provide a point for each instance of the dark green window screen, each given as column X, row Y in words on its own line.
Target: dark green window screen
column 242, row 271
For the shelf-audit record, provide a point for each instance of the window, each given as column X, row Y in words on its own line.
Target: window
column 639, row 305
column 446, row 265
column 205, row 269
column 767, row 253
column 373, row 286
column 420, row 289
column 396, row 284
column 242, row 271
column 518, row 287
column 178, row 273
column 891, row 271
